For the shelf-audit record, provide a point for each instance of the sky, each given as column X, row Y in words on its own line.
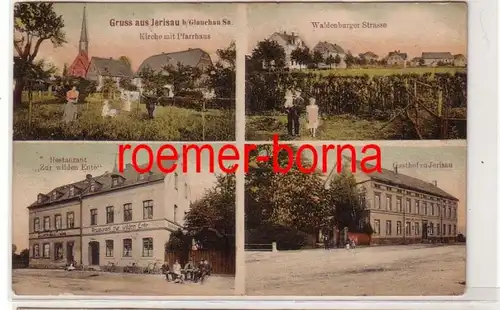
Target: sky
column 30, row 176
column 415, row 159
column 107, row 41
column 412, row 28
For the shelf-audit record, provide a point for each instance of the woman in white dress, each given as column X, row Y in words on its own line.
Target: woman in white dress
column 312, row 116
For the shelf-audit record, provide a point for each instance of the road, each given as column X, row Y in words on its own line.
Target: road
column 56, row 282
column 402, row 270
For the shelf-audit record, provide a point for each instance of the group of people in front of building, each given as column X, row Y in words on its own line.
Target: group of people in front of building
column 294, row 107
column 191, row 271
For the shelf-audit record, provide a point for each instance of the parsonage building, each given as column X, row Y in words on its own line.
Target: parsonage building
column 119, row 218
column 404, row 209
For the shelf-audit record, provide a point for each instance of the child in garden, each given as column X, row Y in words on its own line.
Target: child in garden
column 312, row 116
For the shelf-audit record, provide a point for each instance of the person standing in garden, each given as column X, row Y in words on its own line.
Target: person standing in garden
column 312, row 117
column 70, row 109
column 289, row 111
column 297, row 109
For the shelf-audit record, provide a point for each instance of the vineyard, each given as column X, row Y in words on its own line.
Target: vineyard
column 406, row 106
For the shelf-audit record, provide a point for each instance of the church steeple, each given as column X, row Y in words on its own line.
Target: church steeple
column 84, row 36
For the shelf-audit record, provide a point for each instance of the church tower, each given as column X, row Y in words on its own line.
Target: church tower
column 84, row 35
column 81, row 63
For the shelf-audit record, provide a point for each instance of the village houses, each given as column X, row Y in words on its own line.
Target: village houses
column 329, row 50
column 436, row 59
column 114, row 218
column 289, row 42
column 369, row 57
column 403, row 209
column 459, row 60
column 397, row 58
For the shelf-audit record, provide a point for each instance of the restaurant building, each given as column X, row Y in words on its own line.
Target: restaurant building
column 119, row 218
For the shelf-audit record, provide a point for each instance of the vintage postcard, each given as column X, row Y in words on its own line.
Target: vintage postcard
column 358, row 224
column 124, row 71
column 90, row 221
column 356, row 71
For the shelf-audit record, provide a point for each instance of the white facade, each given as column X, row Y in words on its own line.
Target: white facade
column 289, row 47
column 132, row 224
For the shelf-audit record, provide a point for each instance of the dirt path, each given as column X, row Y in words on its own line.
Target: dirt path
column 55, row 282
column 385, row 270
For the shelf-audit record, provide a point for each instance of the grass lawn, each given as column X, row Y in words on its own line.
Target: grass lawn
column 388, row 71
column 342, row 127
column 170, row 123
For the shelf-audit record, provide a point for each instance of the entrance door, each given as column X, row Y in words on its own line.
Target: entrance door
column 69, row 252
column 424, row 230
column 94, row 253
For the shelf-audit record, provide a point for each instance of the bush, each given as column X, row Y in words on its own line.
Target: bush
column 286, row 238
column 84, row 87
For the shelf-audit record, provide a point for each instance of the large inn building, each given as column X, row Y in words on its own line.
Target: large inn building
column 119, row 218
column 404, row 209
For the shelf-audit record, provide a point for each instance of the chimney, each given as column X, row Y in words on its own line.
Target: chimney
column 396, row 169
column 293, row 33
column 88, row 176
column 435, row 183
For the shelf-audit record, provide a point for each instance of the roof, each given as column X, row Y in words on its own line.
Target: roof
column 402, row 55
column 440, row 55
column 287, row 37
column 130, row 177
column 369, row 54
column 111, row 67
column 190, row 57
column 333, row 48
column 404, row 181
column 458, row 56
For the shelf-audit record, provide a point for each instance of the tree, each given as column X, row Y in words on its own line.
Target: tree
column 349, row 59
column 109, row 86
column 222, row 76
column 337, row 60
column 330, row 60
column 125, row 60
column 14, row 248
column 34, row 23
column 65, row 70
column 269, row 54
column 302, row 56
column 211, row 219
column 317, row 58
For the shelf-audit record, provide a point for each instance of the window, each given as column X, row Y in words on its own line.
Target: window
column 109, row 248
column 58, row 221
column 444, row 229
column 54, row 195
column 449, row 230
column 176, row 180
column 93, row 217
column 127, row 247
column 376, row 227
column 36, row 224
column 408, row 206
column 399, row 207
column 377, row 201
column 388, row 228
column 443, row 212
column 46, row 250
column 431, row 228
column 114, row 181
column 408, row 228
column 432, row 209
column 147, row 247
column 185, row 190
column 398, row 228
column 388, row 202
column 147, row 209
column 141, row 176
column 92, row 186
column 175, row 213
column 70, row 219
column 438, row 209
column 46, row 223
column 417, row 229
column 110, row 215
column 426, row 211
column 438, row 229
column 449, row 212
column 36, row 251
column 454, row 230
column 58, row 250
column 72, row 191
column 417, row 207
column 127, row 212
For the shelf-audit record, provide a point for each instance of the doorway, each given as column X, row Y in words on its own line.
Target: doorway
column 94, row 253
column 424, row 230
column 69, row 252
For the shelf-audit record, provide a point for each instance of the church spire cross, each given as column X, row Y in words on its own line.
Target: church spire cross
column 84, row 36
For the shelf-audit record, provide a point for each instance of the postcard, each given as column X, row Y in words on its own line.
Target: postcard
column 356, row 71
column 115, row 71
column 89, row 221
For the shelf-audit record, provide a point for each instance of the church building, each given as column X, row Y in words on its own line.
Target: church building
column 81, row 63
